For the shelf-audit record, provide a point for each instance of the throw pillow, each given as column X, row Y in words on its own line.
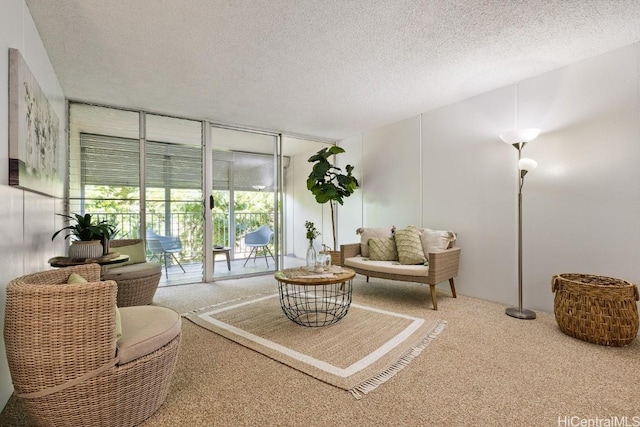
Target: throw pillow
column 368, row 233
column 136, row 253
column 436, row 240
column 75, row 278
column 382, row 249
column 409, row 246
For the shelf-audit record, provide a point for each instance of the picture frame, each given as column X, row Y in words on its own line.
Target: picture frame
column 36, row 158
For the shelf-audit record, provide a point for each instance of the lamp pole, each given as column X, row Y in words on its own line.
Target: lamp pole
column 519, row 312
column 518, row 139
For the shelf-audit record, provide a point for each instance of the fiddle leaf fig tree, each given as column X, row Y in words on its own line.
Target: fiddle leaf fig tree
column 328, row 183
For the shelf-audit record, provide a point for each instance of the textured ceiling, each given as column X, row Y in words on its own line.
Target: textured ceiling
column 326, row 68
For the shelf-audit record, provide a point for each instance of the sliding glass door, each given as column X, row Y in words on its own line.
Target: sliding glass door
column 243, row 202
column 234, row 199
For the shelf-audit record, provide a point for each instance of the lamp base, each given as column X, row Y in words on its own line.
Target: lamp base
column 520, row 313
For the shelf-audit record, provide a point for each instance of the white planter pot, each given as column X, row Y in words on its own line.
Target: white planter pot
column 88, row 249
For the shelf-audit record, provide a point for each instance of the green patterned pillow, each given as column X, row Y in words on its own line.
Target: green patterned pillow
column 382, row 249
column 409, row 246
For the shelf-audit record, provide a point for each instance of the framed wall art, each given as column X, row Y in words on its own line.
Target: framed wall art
column 36, row 158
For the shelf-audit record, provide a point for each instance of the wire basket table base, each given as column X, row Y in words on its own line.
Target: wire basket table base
column 315, row 302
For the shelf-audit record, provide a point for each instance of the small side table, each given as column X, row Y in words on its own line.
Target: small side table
column 225, row 251
column 310, row 299
column 104, row 261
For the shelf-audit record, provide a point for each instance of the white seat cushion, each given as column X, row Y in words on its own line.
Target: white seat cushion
column 391, row 267
column 145, row 329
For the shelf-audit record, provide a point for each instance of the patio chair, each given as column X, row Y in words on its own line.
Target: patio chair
column 163, row 247
column 70, row 362
column 261, row 238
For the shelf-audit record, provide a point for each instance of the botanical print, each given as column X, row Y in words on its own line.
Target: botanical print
column 36, row 159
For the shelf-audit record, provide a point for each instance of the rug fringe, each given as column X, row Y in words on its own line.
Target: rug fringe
column 373, row 383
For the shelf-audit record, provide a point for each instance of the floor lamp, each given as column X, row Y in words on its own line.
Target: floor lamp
column 519, row 138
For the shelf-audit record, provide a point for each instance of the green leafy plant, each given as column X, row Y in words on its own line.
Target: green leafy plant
column 83, row 227
column 328, row 183
column 312, row 233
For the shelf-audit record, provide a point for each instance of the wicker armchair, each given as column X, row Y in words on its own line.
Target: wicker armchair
column 65, row 361
column 137, row 282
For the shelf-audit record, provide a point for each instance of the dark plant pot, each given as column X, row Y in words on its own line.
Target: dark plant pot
column 106, row 245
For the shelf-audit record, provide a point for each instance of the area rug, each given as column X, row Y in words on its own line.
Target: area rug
column 359, row 353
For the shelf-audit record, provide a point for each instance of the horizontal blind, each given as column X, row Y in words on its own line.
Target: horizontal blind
column 114, row 161
column 109, row 160
column 173, row 166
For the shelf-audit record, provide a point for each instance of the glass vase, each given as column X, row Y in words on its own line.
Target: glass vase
column 311, row 256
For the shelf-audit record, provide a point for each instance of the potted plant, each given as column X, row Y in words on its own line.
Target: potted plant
column 329, row 184
column 88, row 235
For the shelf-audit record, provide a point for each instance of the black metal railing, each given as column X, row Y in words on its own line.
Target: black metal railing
column 189, row 228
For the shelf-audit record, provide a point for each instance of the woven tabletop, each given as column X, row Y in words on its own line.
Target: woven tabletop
column 110, row 258
column 302, row 276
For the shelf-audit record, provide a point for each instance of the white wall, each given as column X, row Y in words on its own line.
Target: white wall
column 350, row 214
column 300, row 205
column 470, row 186
column 27, row 218
column 580, row 207
column 391, row 170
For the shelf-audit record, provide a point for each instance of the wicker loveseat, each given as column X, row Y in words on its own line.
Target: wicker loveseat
column 442, row 258
column 137, row 279
column 67, row 364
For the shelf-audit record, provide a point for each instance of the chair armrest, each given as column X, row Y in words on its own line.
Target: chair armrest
column 443, row 265
column 349, row 251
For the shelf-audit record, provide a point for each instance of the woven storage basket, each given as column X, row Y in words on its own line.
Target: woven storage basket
column 598, row 309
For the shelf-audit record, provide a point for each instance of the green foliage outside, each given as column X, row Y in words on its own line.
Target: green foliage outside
column 121, row 205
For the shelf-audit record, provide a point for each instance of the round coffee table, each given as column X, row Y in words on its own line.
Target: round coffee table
column 311, row 299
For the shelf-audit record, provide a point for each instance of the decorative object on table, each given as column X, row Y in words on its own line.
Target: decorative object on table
column 324, row 259
column 598, row 309
column 353, row 354
column 36, row 155
column 519, row 138
column 311, row 234
column 318, row 268
column 88, row 234
column 328, row 184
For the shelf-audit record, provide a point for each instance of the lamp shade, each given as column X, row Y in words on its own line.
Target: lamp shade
column 528, row 165
column 520, row 135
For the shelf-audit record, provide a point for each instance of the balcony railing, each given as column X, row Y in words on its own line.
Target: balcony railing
column 189, row 227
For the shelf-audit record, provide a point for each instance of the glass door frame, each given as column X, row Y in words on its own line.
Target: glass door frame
column 277, row 206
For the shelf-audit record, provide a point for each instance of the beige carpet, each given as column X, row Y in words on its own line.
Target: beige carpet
column 484, row 369
column 359, row 353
